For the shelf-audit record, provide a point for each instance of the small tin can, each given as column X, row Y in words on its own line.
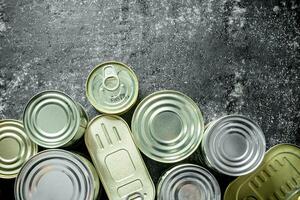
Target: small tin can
column 112, row 87
column 119, row 164
column 57, row 174
column 278, row 177
column 233, row 145
column 188, row 182
column 15, row 148
column 52, row 119
column 167, row 126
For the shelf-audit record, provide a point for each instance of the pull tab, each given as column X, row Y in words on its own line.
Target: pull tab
column 111, row 80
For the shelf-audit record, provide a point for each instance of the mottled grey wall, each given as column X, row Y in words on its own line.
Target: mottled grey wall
column 230, row 56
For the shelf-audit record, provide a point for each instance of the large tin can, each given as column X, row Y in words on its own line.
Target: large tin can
column 53, row 119
column 119, row 164
column 188, row 182
column 57, row 174
column 15, row 148
column 167, row 126
column 112, row 87
column 233, row 145
column 278, row 177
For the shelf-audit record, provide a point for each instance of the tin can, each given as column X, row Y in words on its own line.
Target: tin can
column 52, row 119
column 188, row 182
column 167, row 126
column 233, row 145
column 112, row 87
column 57, row 174
column 278, row 177
column 118, row 162
column 15, row 148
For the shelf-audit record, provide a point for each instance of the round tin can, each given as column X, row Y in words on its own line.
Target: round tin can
column 112, row 87
column 233, row 145
column 57, row 174
column 15, row 148
column 188, row 182
column 53, row 119
column 167, row 126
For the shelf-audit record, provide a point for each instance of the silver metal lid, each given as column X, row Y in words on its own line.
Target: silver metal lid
column 234, row 145
column 54, row 175
column 167, row 126
column 188, row 182
column 51, row 119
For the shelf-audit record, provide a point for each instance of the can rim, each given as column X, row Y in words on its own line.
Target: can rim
column 58, row 143
column 33, row 145
column 107, row 111
column 212, row 162
column 59, row 153
column 200, row 116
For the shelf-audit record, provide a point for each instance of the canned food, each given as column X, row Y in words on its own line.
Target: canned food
column 188, row 182
column 278, row 177
column 52, row 119
column 15, row 148
column 233, row 145
column 117, row 160
column 57, row 174
column 167, row 126
column 112, row 87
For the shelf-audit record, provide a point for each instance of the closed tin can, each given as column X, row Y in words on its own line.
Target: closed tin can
column 15, row 148
column 278, row 177
column 57, row 174
column 118, row 162
column 52, row 119
column 112, row 87
column 167, row 126
column 233, row 145
column 188, row 182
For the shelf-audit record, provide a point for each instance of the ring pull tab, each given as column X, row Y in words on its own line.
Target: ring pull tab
column 111, row 80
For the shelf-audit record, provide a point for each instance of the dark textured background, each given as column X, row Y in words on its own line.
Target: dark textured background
column 230, row 56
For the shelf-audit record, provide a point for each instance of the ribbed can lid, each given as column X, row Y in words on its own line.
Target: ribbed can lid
column 55, row 174
column 234, row 145
column 167, row 126
column 51, row 119
column 112, row 87
column 188, row 182
column 15, row 148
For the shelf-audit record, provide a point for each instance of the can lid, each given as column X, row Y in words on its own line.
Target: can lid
column 54, row 174
column 112, row 87
column 276, row 178
column 51, row 119
column 15, row 148
column 234, row 145
column 188, row 182
column 167, row 126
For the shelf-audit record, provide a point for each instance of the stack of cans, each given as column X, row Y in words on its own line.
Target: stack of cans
column 167, row 126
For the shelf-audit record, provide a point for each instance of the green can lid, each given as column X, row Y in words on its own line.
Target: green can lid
column 234, row 145
column 167, row 126
column 277, row 177
column 112, row 87
column 188, row 182
column 15, row 148
column 51, row 119
column 55, row 174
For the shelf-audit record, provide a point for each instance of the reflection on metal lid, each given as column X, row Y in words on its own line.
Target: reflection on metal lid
column 278, row 177
column 15, row 148
column 112, row 87
column 233, row 145
column 167, row 126
column 188, row 182
column 55, row 174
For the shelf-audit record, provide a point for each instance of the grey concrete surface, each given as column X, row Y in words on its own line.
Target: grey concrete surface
column 230, row 56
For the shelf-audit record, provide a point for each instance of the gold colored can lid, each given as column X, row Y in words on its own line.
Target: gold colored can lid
column 15, row 148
